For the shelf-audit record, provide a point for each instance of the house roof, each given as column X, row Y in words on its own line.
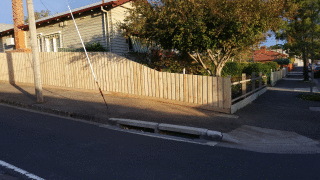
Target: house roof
column 4, row 27
column 263, row 55
column 58, row 16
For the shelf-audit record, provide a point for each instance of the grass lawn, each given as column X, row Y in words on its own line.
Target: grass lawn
column 310, row 96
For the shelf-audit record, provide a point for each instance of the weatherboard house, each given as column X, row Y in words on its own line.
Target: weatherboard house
column 98, row 23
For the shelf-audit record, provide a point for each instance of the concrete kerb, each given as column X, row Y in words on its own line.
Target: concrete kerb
column 36, row 107
column 134, row 123
column 157, row 127
column 201, row 132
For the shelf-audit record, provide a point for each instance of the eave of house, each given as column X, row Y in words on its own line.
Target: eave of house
column 80, row 10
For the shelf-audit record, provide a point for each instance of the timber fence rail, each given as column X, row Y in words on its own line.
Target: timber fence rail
column 246, row 87
column 245, row 91
column 117, row 74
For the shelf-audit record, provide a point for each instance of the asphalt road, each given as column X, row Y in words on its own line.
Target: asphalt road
column 56, row 148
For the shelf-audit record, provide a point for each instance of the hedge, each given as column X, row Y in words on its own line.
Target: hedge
column 235, row 69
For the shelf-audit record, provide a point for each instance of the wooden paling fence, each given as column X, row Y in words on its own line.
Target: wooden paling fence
column 118, row 74
column 278, row 75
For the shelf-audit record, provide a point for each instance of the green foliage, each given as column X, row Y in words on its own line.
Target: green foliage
column 310, row 96
column 39, row 15
column 211, row 32
column 272, row 65
column 256, row 68
column 302, row 31
column 233, row 69
column 277, row 46
column 90, row 47
column 168, row 61
column 283, row 61
column 94, row 47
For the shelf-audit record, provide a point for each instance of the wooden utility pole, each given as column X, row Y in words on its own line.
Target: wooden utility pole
column 35, row 51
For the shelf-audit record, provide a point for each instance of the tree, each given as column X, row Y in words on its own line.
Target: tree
column 39, row 15
column 277, row 46
column 302, row 32
column 210, row 32
column 283, row 61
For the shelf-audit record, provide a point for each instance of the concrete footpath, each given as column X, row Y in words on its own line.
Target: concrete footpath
column 278, row 109
column 89, row 105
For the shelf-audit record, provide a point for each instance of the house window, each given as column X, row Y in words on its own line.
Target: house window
column 52, row 42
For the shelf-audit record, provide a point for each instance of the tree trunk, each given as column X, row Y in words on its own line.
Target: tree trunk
column 199, row 60
column 305, row 67
column 218, row 70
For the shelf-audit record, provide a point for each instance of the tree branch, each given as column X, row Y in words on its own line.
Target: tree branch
column 199, row 60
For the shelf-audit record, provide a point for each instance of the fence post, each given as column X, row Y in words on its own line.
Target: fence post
column 260, row 80
column 271, row 78
column 253, row 82
column 227, row 93
column 244, row 84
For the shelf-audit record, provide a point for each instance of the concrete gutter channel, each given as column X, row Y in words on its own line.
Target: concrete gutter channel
column 162, row 128
column 158, row 128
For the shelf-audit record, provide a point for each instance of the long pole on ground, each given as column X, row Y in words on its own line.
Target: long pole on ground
column 35, row 51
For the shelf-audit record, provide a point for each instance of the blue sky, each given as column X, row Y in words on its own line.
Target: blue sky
column 57, row 6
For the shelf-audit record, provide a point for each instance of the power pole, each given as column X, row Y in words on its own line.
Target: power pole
column 35, row 51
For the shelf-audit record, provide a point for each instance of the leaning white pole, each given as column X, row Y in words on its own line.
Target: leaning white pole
column 84, row 47
column 35, row 52
column 88, row 58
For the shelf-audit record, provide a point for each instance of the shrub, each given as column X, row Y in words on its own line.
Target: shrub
column 272, row 65
column 282, row 61
column 94, row 47
column 256, row 68
column 233, row 69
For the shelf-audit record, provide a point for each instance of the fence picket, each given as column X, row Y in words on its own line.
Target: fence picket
column 161, row 84
column 220, row 92
column 205, row 90
column 200, row 90
column 156, row 82
column 182, row 88
column 165, row 85
column 195, row 89
column 210, row 91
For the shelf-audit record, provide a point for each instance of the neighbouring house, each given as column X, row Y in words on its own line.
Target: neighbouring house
column 4, row 27
column 98, row 23
column 265, row 55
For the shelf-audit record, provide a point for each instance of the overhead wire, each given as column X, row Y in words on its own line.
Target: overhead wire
column 51, row 10
column 44, row 5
